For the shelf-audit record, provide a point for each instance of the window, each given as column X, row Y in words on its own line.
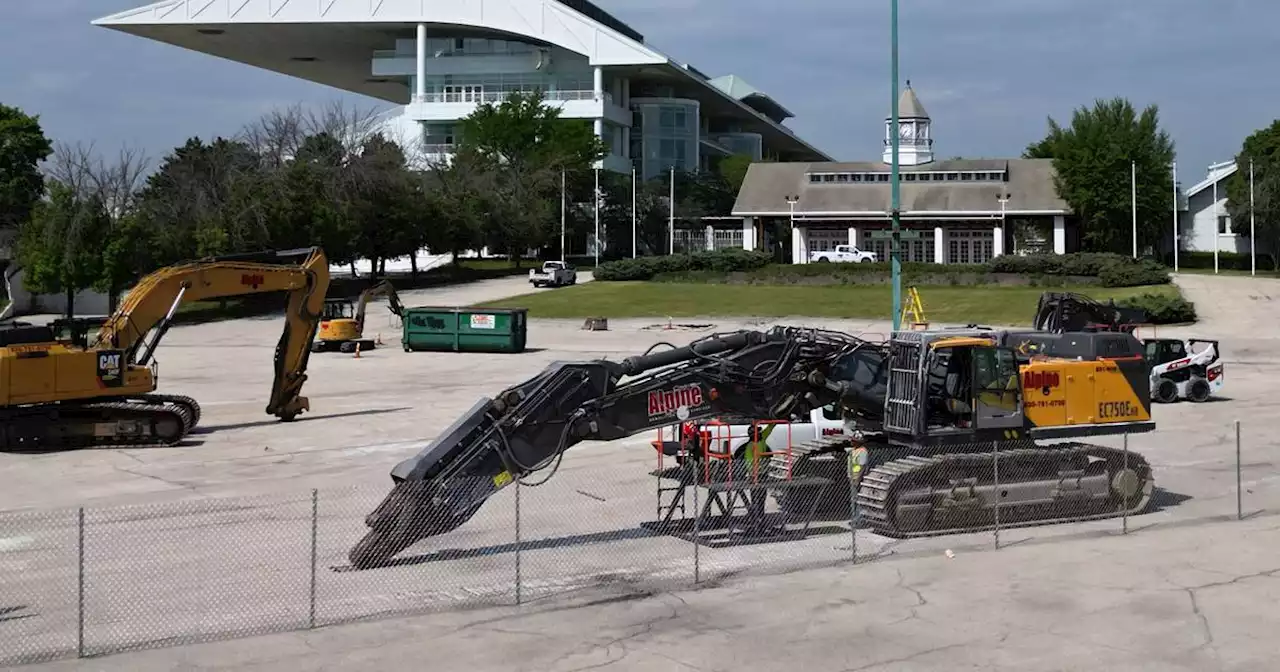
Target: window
column 952, row 177
column 909, row 177
column 814, row 179
column 966, row 177
column 925, row 177
column 828, row 178
column 673, row 118
column 1224, row 224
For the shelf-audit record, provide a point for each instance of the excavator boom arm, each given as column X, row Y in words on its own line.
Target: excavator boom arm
column 778, row 374
column 383, row 288
column 151, row 304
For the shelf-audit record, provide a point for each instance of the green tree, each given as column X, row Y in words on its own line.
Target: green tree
column 379, row 193
column 456, row 191
column 200, row 201
column 1262, row 148
column 23, row 146
column 60, row 246
column 528, row 144
column 734, row 170
column 1091, row 159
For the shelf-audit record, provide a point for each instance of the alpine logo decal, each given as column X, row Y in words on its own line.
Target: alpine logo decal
column 666, row 402
column 1043, row 380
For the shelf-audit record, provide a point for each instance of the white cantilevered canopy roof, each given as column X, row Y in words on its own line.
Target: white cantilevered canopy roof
column 332, row 42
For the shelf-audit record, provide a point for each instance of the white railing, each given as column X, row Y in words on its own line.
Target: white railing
column 911, row 142
column 447, row 148
column 500, row 96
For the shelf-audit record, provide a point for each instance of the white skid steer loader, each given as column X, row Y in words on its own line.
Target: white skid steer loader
column 1184, row 369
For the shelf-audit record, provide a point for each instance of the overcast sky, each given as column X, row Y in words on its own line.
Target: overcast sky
column 989, row 71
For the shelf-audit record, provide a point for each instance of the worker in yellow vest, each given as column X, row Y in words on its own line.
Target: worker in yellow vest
column 757, row 450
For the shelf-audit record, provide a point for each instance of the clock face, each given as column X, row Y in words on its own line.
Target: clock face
column 906, row 131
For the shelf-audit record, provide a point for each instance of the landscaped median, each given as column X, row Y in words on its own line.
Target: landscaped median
column 736, row 283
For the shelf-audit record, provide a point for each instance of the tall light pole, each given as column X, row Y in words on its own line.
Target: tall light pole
column 792, row 199
column 1004, row 231
column 894, row 178
column 1175, row 216
column 1253, row 258
column 1133, row 203
column 1217, row 235
column 596, row 197
column 633, row 212
column 562, row 211
column 671, row 214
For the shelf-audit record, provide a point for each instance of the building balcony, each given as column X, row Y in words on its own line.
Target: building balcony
column 573, row 104
column 393, row 64
column 438, row 154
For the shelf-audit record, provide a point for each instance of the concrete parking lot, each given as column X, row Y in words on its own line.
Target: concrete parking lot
column 182, row 558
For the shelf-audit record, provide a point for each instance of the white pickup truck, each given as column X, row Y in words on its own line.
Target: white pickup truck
column 843, row 253
column 825, row 421
column 553, row 274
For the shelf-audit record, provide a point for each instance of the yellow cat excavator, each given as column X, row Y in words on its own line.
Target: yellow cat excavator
column 342, row 327
column 73, row 392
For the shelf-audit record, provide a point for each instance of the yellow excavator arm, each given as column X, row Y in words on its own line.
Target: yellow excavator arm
column 150, row 306
column 380, row 289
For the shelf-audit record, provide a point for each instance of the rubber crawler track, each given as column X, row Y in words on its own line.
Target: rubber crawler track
column 880, row 488
column 157, row 419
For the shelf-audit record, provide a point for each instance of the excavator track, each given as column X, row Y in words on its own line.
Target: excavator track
column 192, row 406
column 933, row 495
column 148, row 420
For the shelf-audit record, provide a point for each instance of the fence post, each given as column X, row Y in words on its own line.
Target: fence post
column 1124, row 519
column 853, row 509
column 995, row 469
column 1239, row 486
column 80, row 585
column 697, row 529
column 519, row 578
column 315, row 525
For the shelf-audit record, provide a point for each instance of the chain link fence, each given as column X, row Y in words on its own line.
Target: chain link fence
column 94, row 581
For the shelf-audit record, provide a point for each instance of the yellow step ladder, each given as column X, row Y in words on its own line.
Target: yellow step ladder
column 913, row 308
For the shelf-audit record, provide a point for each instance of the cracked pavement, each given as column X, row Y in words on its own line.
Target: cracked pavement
column 1189, row 588
column 1171, row 599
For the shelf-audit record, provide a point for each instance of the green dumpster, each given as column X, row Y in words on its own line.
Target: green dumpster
column 465, row 329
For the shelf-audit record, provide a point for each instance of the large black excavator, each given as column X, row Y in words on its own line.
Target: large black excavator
column 929, row 406
column 1067, row 311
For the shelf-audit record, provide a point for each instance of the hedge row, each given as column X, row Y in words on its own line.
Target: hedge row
column 749, row 267
column 254, row 305
column 1161, row 309
column 720, row 261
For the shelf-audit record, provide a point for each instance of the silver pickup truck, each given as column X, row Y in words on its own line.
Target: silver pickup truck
column 553, row 274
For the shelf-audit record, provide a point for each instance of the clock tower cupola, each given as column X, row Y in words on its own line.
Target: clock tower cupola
column 915, row 135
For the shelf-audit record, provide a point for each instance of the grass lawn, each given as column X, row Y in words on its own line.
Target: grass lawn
column 985, row 305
